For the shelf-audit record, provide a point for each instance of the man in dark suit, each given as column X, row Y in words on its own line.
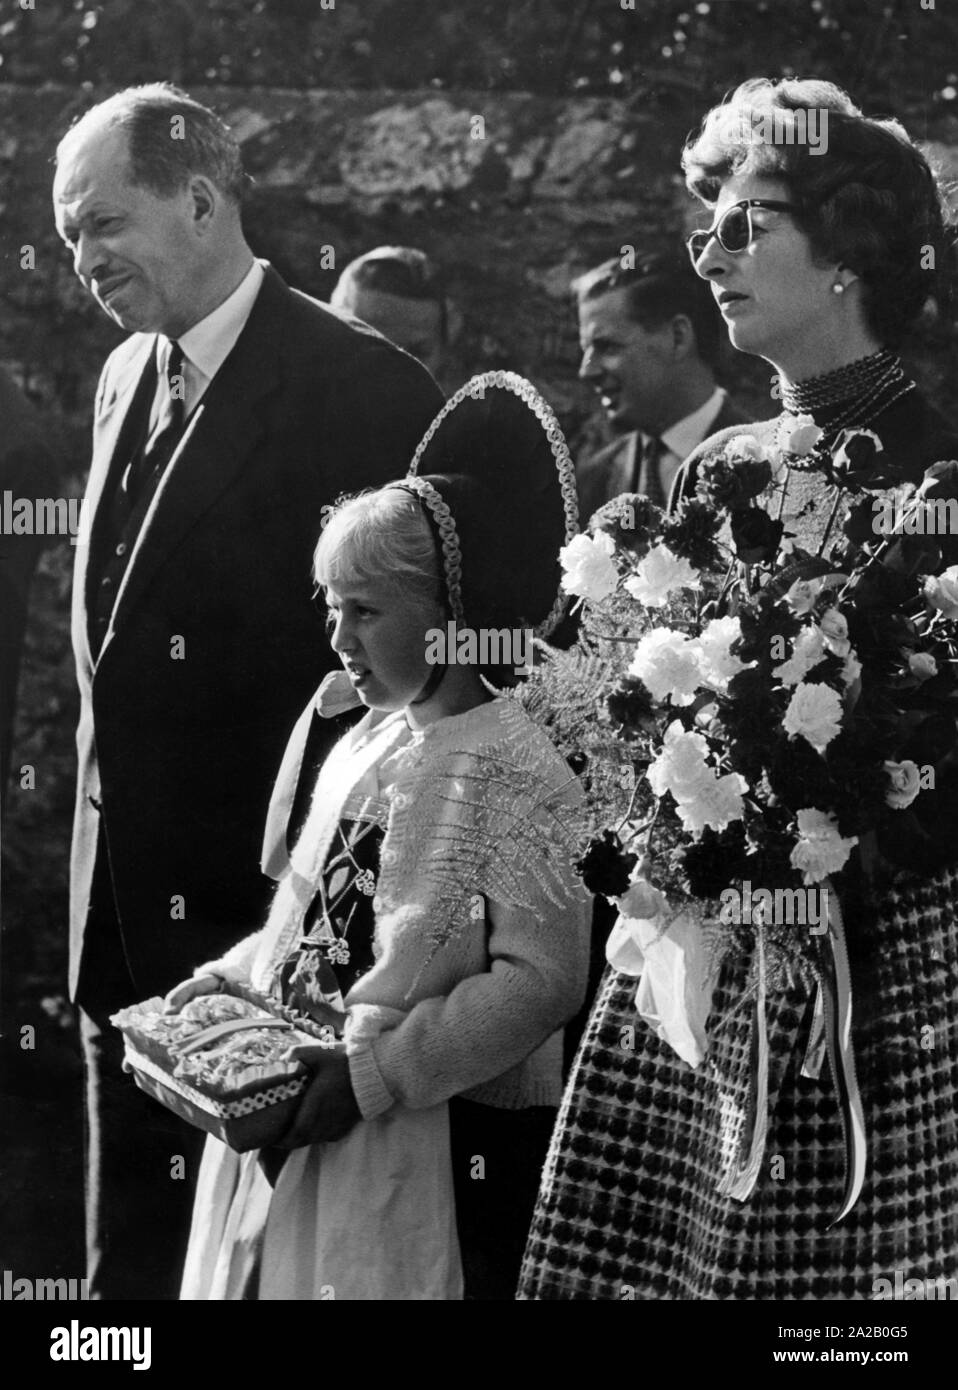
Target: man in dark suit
column 28, row 470
column 650, row 340
column 224, row 426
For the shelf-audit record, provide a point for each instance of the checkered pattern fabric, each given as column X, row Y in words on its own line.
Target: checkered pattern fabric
column 629, row 1205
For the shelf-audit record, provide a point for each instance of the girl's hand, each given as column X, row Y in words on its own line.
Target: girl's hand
column 189, row 989
column 328, row 1109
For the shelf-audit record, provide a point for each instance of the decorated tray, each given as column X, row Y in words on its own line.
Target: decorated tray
column 218, row 1063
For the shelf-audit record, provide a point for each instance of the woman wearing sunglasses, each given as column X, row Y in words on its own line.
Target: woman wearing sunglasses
column 820, row 261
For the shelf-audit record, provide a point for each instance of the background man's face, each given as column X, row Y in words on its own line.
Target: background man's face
column 136, row 252
column 629, row 367
column 413, row 324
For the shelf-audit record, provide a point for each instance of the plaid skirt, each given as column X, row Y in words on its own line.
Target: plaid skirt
column 629, row 1205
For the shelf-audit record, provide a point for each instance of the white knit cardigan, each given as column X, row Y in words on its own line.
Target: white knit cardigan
column 481, row 926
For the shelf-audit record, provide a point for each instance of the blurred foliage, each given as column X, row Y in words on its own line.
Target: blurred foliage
column 902, row 54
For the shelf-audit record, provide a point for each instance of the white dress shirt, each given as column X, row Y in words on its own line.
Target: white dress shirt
column 685, row 435
column 208, row 343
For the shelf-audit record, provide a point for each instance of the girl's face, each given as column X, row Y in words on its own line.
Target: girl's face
column 379, row 634
column 776, row 302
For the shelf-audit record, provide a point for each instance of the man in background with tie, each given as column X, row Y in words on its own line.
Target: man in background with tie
column 650, row 340
column 224, row 428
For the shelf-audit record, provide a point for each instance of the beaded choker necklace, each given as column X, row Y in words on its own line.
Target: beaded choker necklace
column 850, row 397
column 844, row 385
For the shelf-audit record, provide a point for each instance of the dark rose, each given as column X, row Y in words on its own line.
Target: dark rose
column 755, row 535
column 631, row 707
column 631, row 520
column 750, row 717
column 883, row 590
column 914, row 554
column 797, row 774
column 710, row 864
column 691, row 533
column 859, row 524
column 854, row 463
column 940, row 482
column 859, row 781
column 731, row 483
column 762, row 620
column 605, row 867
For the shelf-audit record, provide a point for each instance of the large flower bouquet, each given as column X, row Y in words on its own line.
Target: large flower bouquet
column 755, row 718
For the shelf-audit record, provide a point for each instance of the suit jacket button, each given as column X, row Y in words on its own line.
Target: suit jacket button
column 121, row 548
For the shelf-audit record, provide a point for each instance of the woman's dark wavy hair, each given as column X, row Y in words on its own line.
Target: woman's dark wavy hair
column 868, row 199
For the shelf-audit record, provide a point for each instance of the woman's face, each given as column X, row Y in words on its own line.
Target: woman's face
column 776, row 302
column 379, row 634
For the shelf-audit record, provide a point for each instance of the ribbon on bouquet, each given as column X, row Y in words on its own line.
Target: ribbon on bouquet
column 739, row 1182
column 674, row 995
column 831, row 1032
column 832, row 1018
column 676, row 977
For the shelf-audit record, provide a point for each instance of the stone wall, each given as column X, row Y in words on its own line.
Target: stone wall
column 513, row 202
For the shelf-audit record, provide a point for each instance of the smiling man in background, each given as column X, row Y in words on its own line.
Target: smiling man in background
column 233, row 415
column 650, row 341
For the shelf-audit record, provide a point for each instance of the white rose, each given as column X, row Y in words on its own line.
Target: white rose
column 589, row 570
column 923, row 665
column 658, row 575
column 803, row 436
column 820, row 850
column 718, row 663
column 905, row 784
column 802, row 595
column 744, row 446
column 941, row 591
column 808, row 650
column 814, row 713
column 641, row 902
column 716, row 803
column 835, row 632
column 668, row 663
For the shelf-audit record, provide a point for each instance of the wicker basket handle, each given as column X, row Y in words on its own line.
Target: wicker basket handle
column 230, row 1025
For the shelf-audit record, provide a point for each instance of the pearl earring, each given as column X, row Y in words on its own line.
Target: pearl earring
column 838, row 288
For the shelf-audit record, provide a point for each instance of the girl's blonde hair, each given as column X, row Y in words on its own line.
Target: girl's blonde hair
column 380, row 535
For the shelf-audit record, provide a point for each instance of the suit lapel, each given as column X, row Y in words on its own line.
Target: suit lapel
column 115, row 429
column 219, row 438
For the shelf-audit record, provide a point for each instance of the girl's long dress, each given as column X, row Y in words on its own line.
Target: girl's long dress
column 431, row 887
column 629, row 1205
column 371, row 1216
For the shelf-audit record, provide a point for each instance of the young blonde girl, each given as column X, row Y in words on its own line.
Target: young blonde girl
column 430, row 900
